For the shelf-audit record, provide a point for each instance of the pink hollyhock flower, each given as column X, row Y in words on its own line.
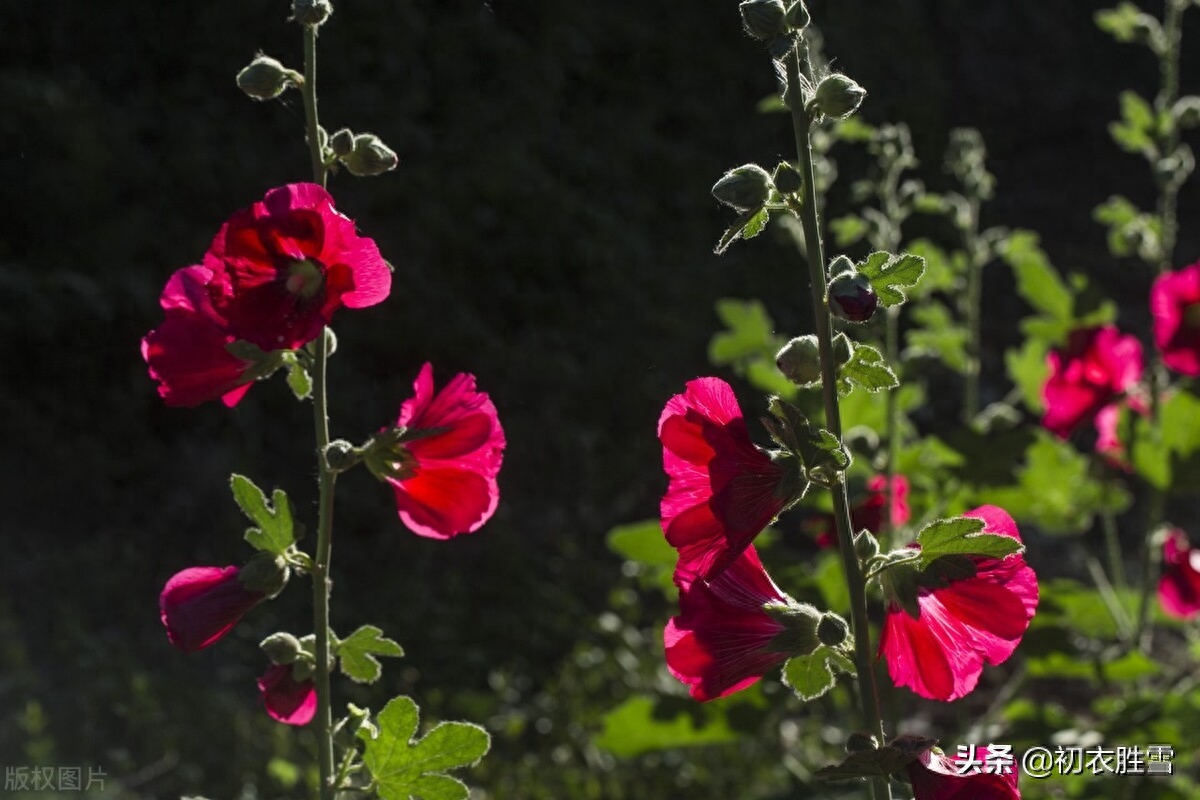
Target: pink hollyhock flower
column 187, row 353
column 723, row 490
column 1096, row 369
column 1179, row 587
column 1175, row 304
column 286, row 699
column 283, row 266
column 961, row 622
column 868, row 514
column 442, row 457
column 936, row 776
column 201, row 604
column 733, row 628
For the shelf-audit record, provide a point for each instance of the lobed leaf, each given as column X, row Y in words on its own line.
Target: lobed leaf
column 961, row 536
column 810, row 676
column 889, row 274
column 866, row 369
column 275, row 531
column 357, row 653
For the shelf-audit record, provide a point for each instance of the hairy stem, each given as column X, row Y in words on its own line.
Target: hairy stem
column 864, row 664
column 974, row 299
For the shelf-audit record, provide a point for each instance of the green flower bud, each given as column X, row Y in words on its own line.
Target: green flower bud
column 264, row 78
column 797, row 15
column 764, row 19
column 787, row 178
column 840, row 264
column 342, row 142
column 866, row 546
column 843, row 350
column 303, row 669
column 745, row 188
column 800, row 361
column 832, row 629
column 838, row 97
column 370, row 156
column 266, row 573
column 281, row 648
column 345, row 731
column 311, row 12
column 800, row 621
column 852, row 298
column 340, row 455
column 859, row 742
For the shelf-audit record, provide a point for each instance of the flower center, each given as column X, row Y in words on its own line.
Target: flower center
column 1191, row 316
column 305, row 278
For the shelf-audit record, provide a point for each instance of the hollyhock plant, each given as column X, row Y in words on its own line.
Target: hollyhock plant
column 1179, row 586
column 1175, row 304
column 282, row 267
column 723, row 490
column 868, row 514
column 936, row 776
column 959, row 623
column 1095, row 370
column 290, row 701
column 201, row 604
column 442, row 457
column 733, row 628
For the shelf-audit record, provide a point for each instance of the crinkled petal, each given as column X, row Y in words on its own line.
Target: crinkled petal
column 443, row 502
column 287, row 700
column 186, row 354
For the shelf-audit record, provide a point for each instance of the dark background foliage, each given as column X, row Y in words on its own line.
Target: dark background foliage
column 551, row 228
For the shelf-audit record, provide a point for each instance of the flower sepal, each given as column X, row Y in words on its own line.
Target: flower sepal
column 878, row 762
column 799, row 621
column 266, row 573
column 823, row 457
column 281, row 648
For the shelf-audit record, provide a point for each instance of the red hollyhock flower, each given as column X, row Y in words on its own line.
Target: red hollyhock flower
column 1097, row 368
column 1175, row 304
column 1179, row 586
column 723, row 639
column 201, row 604
column 723, row 490
column 936, row 776
column 186, row 353
column 869, row 512
column 940, row 652
column 283, row 266
column 442, row 457
column 286, row 699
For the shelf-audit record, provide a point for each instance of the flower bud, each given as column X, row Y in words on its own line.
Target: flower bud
column 342, row 142
column 838, row 97
column 266, row 573
column 340, row 455
column 745, row 188
column 345, row 731
column 797, row 15
column 843, row 350
column 764, row 19
column 859, row 742
column 264, row 78
column 786, row 178
column 840, row 264
column 370, row 156
column 800, row 361
column 311, row 12
column 851, row 297
column 832, row 630
column 866, row 546
column 281, row 648
column 800, row 621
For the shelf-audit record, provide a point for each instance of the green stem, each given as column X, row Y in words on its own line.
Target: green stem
column 892, row 423
column 974, row 300
column 326, row 478
column 864, row 664
column 1116, row 562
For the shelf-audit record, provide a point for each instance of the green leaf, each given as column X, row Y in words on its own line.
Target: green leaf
column 939, row 336
column 1027, row 369
column 1127, row 23
column 1180, row 411
column 815, row 674
column 638, row 726
column 943, row 271
column 642, row 542
column 750, row 331
column 746, row 226
column 1136, row 131
column 274, row 532
column 358, row 650
column 961, row 537
column 892, row 757
column 298, row 379
column 866, row 369
column 848, row 229
column 853, row 129
column 889, row 274
column 1037, row 281
column 407, row 769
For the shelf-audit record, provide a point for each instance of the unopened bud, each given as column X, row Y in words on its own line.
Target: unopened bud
column 744, row 188
column 264, row 78
column 786, row 178
column 797, row 15
column 851, row 297
column 342, row 142
column 369, row 156
column 345, row 732
column 1187, row 111
column 799, row 621
column 266, row 573
column 340, row 455
column 764, row 19
column 838, row 97
column 281, row 648
column 832, row 630
column 843, row 350
column 866, row 546
column 311, row 12
column 800, row 361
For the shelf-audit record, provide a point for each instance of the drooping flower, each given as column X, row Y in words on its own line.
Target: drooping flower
column 290, row 701
column 1175, row 304
column 869, row 512
column 733, row 628
column 1096, row 369
column 1179, row 586
column 938, row 637
column 936, row 776
column 442, row 457
column 201, row 604
column 282, row 267
column 187, row 353
column 723, row 490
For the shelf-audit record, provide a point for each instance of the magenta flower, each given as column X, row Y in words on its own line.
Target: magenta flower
column 442, row 457
column 936, row 776
column 724, row 639
column 723, row 490
column 186, row 353
column 286, row 699
column 1096, row 369
column 201, row 604
column 868, row 513
column 283, row 266
column 1175, row 304
column 1179, row 586
column 939, row 653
